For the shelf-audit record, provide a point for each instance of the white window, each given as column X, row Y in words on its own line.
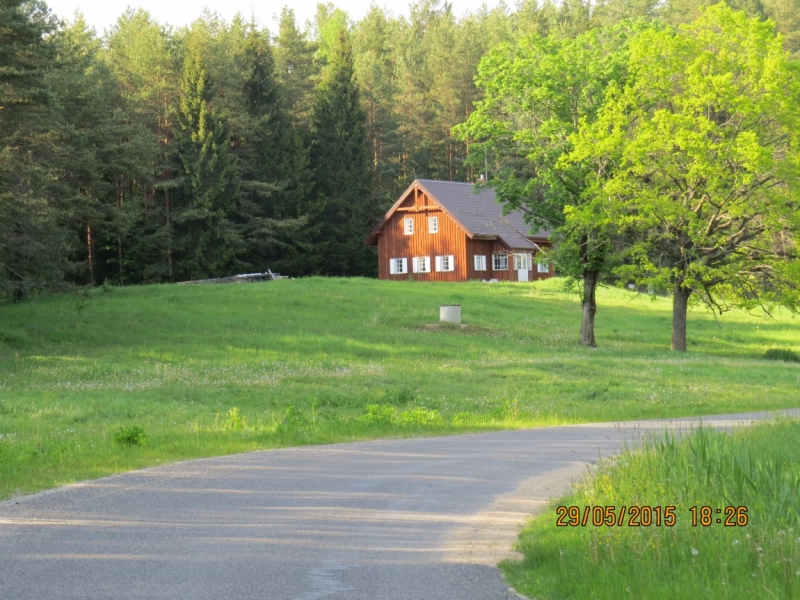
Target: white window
column 408, row 226
column 480, row 262
column 433, row 224
column 543, row 266
column 421, row 264
column 523, row 262
column 445, row 263
column 499, row 262
column 398, row 266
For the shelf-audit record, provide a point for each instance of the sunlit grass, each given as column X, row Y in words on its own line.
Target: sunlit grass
column 175, row 360
column 757, row 468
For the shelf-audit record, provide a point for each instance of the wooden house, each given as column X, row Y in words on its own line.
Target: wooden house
column 444, row 231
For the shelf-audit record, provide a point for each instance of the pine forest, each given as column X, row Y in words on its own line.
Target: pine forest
column 149, row 153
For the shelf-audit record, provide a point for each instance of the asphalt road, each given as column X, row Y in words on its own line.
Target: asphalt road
column 393, row 519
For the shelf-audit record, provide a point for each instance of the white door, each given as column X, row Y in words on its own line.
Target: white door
column 522, row 274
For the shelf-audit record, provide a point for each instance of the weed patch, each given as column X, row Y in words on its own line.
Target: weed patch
column 130, row 436
column 376, row 414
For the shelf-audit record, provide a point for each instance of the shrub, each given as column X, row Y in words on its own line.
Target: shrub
column 781, row 354
column 234, row 421
column 377, row 414
column 130, row 436
column 419, row 416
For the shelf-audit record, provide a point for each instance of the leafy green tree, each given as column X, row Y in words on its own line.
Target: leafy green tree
column 537, row 91
column 677, row 12
column 703, row 139
column 328, row 23
column 340, row 159
column 206, row 236
column 786, row 14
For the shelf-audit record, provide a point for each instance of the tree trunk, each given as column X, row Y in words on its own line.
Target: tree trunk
column 120, row 183
column 90, row 247
column 119, row 258
column 589, row 305
column 168, row 223
column 680, row 304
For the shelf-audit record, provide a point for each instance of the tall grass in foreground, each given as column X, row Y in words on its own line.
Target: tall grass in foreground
column 756, row 467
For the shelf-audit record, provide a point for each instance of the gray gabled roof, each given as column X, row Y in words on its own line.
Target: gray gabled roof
column 481, row 214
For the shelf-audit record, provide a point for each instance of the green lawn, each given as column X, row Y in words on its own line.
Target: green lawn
column 207, row 370
column 756, row 556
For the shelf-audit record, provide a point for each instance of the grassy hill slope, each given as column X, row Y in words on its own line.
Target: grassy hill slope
column 206, row 370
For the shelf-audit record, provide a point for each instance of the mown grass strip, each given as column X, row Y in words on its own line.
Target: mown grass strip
column 302, row 361
column 756, row 467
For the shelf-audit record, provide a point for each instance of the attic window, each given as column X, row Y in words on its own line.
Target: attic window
column 408, row 226
column 499, row 262
column 433, row 224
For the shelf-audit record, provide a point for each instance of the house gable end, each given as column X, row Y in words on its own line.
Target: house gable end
column 416, row 198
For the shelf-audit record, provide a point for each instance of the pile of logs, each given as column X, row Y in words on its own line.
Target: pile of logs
column 245, row 278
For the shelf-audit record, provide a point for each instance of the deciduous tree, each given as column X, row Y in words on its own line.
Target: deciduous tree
column 701, row 148
column 537, row 92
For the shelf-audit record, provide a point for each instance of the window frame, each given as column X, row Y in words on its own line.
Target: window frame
column 498, row 258
column 451, row 263
column 426, row 263
column 408, row 226
column 393, row 264
column 434, row 221
column 523, row 257
column 480, row 265
column 542, row 263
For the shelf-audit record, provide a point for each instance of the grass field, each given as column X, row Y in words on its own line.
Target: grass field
column 757, row 468
column 209, row 370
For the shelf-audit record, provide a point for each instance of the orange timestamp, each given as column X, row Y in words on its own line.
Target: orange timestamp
column 646, row 516
column 613, row 516
column 730, row 516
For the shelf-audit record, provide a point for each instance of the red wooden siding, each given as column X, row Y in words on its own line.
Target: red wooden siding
column 451, row 239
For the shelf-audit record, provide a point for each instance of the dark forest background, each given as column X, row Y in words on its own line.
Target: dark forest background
column 152, row 154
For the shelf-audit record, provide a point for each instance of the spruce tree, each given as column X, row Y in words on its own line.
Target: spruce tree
column 340, row 158
column 296, row 69
column 207, row 239
column 276, row 180
column 33, row 241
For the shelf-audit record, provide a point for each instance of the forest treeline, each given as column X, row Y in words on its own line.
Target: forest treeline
column 150, row 153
